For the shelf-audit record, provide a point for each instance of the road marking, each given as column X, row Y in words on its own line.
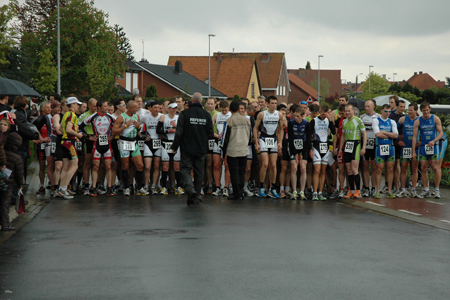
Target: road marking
column 409, row 212
column 446, row 221
column 377, row 204
column 435, row 202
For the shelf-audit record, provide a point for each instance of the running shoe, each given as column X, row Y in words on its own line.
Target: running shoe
column 365, row 193
column 217, row 192
column 41, row 191
column 262, row 193
column 179, row 191
column 294, row 195
column 334, row 195
column 377, row 195
column 210, row 190
column 248, row 193
column 373, row 192
column 385, row 189
column 401, row 194
column 86, row 192
column 93, row 192
column 126, row 191
column 142, row 192
column 322, row 197
column 357, row 195
column 302, row 196
column 164, row 191
column 315, row 197
column 341, row 194
column 101, row 189
column 154, row 190
column 225, row 192
column 349, row 195
column 202, row 192
column 437, row 194
column 71, row 193
column 109, row 192
column 414, row 194
column 395, row 191
column 390, row 195
column 282, row 194
column 64, row 194
column 425, row 194
column 274, row 193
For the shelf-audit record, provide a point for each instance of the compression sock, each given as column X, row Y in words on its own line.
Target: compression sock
column 178, row 178
column 351, row 183
column 139, row 179
column 125, row 179
column 163, row 180
column 261, row 184
column 357, row 179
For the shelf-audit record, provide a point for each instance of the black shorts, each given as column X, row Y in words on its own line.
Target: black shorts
column 58, row 149
column 286, row 152
column 115, row 149
column 355, row 155
column 88, row 146
column 369, row 155
column 398, row 152
column 40, row 152
column 211, row 146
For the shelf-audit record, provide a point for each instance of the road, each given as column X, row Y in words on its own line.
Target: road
column 158, row 248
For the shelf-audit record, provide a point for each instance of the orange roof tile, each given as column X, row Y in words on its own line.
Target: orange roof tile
column 230, row 75
column 333, row 76
column 295, row 80
column 423, row 81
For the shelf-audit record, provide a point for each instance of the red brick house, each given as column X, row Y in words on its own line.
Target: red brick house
column 424, row 81
column 333, row 76
column 300, row 90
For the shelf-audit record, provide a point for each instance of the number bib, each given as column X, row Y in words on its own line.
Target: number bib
column 211, row 144
column 429, row 150
column 323, row 148
column 270, row 143
column 43, row 145
column 53, row 147
column 370, row 144
column 103, row 140
column 128, row 146
column 141, row 145
column 298, row 144
column 349, row 147
column 168, row 147
column 156, row 144
column 78, row 146
column 384, row 150
column 407, row 152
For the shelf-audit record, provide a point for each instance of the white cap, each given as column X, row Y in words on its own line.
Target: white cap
column 72, row 100
column 173, row 105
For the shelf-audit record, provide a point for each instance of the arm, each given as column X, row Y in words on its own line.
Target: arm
column 255, row 132
column 69, row 130
column 160, row 126
column 117, row 128
column 438, row 123
column 400, row 129
column 225, row 138
column 414, row 141
column 281, row 126
column 57, row 123
column 179, row 132
column 214, row 120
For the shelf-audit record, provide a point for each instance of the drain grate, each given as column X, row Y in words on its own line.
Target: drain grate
column 157, row 232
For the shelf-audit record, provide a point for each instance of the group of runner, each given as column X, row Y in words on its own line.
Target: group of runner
column 296, row 148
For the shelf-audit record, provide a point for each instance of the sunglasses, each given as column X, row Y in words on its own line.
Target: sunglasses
column 122, row 105
column 387, row 111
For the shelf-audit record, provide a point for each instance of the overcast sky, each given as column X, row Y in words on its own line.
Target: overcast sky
column 396, row 36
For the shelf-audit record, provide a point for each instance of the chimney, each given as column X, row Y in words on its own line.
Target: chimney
column 415, row 73
column 265, row 57
column 420, row 72
column 219, row 56
column 178, row 67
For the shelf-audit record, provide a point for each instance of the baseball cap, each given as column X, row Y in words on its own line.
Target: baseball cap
column 72, row 100
column 173, row 105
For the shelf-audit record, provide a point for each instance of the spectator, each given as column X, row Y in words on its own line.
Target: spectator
column 33, row 113
column 15, row 164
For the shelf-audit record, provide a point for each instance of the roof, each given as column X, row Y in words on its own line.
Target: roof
column 424, row 81
column 230, row 75
column 123, row 92
column 132, row 66
column 333, row 76
column 184, row 81
column 295, row 80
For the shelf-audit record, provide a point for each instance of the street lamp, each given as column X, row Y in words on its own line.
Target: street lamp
column 58, row 89
column 209, row 61
column 318, row 82
column 393, row 77
column 369, row 76
column 356, row 89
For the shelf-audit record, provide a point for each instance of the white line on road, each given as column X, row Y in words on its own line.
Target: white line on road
column 446, row 221
column 409, row 212
column 377, row 204
column 435, row 202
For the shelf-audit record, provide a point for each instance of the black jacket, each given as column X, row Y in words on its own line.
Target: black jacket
column 25, row 129
column 194, row 128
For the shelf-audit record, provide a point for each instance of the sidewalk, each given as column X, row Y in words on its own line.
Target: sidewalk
column 428, row 211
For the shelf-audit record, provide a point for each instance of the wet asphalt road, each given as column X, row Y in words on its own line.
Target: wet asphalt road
column 157, row 248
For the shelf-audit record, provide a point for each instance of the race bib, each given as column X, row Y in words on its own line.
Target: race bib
column 298, row 144
column 78, row 146
column 429, row 150
column 156, row 144
column 270, row 143
column 349, row 147
column 407, row 152
column 370, row 144
column 129, row 146
column 384, row 150
column 323, row 148
column 53, row 147
column 103, row 140
column 43, row 146
column 168, row 147
column 211, row 144
column 141, row 145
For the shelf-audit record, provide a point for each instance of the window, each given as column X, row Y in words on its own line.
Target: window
column 128, row 81
column 253, row 90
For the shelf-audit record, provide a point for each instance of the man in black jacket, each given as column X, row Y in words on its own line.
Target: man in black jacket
column 194, row 128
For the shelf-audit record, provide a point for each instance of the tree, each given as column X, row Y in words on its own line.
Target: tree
column 429, row 96
column 123, row 43
column 308, row 65
column 97, row 78
column 151, row 92
column 395, row 88
column 417, row 91
column 324, row 86
column 47, row 73
column 378, row 86
column 6, row 34
column 407, row 88
column 448, row 81
column 86, row 39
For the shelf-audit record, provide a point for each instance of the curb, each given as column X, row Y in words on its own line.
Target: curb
column 397, row 214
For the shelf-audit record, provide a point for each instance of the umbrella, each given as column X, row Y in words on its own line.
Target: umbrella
column 359, row 103
column 9, row 87
column 382, row 100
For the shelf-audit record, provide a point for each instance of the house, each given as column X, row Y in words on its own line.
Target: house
column 300, row 90
column 169, row 80
column 333, row 77
column 270, row 70
column 424, row 81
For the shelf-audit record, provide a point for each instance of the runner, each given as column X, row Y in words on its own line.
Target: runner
column 248, row 111
column 88, row 142
column 209, row 106
column 385, row 131
column 430, row 129
column 354, row 131
column 340, row 156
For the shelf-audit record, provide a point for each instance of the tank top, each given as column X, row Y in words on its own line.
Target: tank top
column 101, row 124
column 408, row 131
column 270, row 123
column 168, row 125
column 384, row 125
column 299, row 129
column 69, row 117
column 151, row 123
column 368, row 122
column 220, row 121
column 321, row 129
column 427, row 130
column 131, row 131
